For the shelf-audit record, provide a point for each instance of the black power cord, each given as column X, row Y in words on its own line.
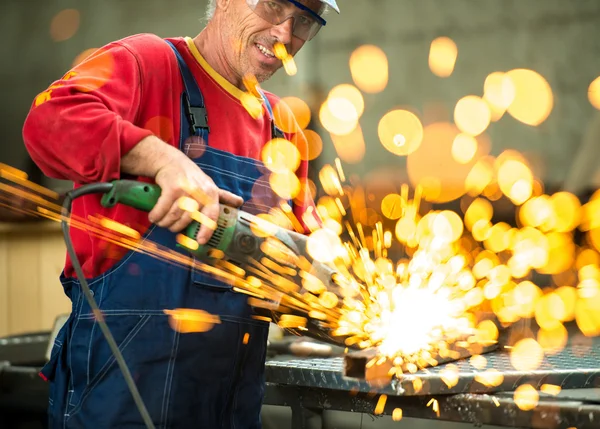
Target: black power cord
column 95, row 188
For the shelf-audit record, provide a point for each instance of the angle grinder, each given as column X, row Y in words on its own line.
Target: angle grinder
column 239, row 235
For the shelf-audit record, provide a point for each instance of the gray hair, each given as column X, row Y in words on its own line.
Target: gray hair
column 210, row 9
column 212, row 6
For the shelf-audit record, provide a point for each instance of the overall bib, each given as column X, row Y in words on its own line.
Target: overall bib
column 212, row 380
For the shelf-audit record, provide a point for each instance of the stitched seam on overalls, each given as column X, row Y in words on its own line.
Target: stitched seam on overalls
column 78, row 311
column 224, row 172
column 91, row 338
column 238, row 158
column 70, row 386
column 109, row 363
column 117, row 266
column 164, row 416
column 121, row 263
column 101, row 297
column 263, row 183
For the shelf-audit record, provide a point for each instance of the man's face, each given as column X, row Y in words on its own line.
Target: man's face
column 253, row 39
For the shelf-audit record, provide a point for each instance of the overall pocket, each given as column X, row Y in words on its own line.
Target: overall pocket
column 100, row 394
column 56, row 373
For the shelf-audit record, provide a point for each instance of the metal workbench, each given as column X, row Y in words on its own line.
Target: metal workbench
column 312, row 386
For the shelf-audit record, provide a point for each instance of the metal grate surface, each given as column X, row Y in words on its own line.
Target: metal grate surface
column 576, row 366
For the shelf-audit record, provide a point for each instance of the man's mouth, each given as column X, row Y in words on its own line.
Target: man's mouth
column 265, row 51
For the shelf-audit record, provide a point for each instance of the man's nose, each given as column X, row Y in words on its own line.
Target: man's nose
column 283, row 31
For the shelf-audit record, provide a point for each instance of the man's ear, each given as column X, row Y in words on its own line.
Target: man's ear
column 223, row 4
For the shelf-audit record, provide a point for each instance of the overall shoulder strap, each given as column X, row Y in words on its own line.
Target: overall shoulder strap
column 193, row 101
column 275, row 131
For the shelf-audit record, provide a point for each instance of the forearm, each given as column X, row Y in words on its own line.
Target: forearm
column 148, row 156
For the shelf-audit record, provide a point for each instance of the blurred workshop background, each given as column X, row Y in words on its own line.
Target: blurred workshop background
column 440, row 89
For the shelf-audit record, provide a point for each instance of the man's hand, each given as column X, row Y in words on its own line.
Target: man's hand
column 184, row 178
column 177, row 176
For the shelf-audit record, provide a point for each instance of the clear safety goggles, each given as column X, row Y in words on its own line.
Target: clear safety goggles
column 306, row 23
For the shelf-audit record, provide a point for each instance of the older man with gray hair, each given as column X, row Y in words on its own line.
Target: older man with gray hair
column 169, row 111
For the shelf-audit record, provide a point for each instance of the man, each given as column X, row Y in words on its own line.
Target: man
column 134, row 109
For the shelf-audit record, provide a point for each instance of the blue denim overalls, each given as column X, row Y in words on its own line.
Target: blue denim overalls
column 207, row 380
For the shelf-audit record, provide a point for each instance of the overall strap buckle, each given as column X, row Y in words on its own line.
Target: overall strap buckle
column 197, row 117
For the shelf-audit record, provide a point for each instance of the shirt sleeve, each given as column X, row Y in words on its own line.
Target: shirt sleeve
column 79, row 128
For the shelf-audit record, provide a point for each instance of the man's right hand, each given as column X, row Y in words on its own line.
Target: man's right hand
column 184, row 178
column 178, row 176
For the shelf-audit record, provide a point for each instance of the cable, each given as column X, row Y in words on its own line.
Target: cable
column 70, row 196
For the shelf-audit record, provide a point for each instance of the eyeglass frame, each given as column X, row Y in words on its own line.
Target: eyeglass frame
column 320, row 20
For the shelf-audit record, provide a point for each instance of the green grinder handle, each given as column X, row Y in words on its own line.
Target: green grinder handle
column 140, row 195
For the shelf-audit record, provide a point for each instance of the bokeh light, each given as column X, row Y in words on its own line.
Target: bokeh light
column 289, row 65
column 526, row 355
column 553, row 340
column 330, row 180
column 350, row 147
column 280, row 156
column 186, row 320
column 480, row 176
column 442, row 56
column 515, row 180
column 161, row 126
column 400, row 132
column 95, row 71
column 433, row 167
column 464, row 148
column 291, row 114
column 338, row 115
column 285, row 184
column 472, row 115
column 82, row 56
column 479, row 210
column 566, row 208
column 499, row 93
column 64, row 25
column 392, row 206
column 533, row 101
column 314, row 146
column 308, row 192
column 351, row 93
column 594, row 93
column 526, row 397
column 369, row 68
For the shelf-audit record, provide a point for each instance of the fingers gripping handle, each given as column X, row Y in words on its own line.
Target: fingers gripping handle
column 142, row 196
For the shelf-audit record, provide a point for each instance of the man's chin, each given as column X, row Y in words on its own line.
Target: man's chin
column 263, row 74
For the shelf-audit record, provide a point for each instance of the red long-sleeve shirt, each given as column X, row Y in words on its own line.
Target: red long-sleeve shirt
column 83, row 124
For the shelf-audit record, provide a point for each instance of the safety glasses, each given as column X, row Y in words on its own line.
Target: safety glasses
column 306, row 23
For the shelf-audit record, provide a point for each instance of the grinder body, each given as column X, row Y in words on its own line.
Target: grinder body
column 236, row 233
